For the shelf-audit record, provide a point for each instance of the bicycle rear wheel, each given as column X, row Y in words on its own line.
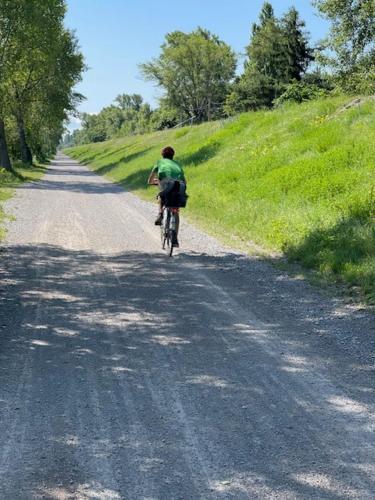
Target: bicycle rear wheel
column 163, row 236
column 164, row 229
column 174, row 227
column 170, row 239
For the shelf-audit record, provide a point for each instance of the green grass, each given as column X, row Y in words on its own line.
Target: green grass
column 9, row 181
column 298, row 180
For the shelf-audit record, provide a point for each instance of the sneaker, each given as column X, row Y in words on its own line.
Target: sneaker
column 159, row 220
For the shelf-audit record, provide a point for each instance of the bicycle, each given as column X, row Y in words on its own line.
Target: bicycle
column 169, row 228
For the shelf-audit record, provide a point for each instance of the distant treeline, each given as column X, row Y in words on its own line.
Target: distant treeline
column 197, row 71
column 40, row 63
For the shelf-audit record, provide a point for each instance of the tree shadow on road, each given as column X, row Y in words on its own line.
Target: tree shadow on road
column 89, row 187
column 93, row 185
column 133, row 375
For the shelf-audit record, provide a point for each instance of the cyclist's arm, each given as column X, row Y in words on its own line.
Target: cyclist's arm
column 153, row 177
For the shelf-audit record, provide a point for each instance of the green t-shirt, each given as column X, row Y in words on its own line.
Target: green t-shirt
column 166, row 168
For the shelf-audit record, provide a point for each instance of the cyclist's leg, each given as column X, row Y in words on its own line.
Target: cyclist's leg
column 159, row 218
column 164, row 188
column 177, row 223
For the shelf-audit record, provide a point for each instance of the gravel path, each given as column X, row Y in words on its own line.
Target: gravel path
column 129, row 375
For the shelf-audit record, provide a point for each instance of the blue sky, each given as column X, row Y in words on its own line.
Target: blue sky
column 116, row 35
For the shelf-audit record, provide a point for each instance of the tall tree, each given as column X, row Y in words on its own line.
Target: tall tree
column 266, row 50
column 55, row 98
column 37, row 41
column 4, row 153
column 129, row 101
column 194, row 69
column 299, row 54
column 266, row 15
column 11, row 17
column 278, row 53
column 39, row 65
column 265, row 68
column 351, row 42
column 48, row 67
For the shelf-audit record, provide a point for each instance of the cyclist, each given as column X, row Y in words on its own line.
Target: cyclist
column 164, row 174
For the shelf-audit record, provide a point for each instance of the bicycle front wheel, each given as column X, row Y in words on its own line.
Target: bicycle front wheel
column 171, row 237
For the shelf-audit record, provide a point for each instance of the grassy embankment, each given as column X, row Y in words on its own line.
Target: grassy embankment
column 300, row 180
column 9, row 181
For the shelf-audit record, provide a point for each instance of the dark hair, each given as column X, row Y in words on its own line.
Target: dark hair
column 167, row 152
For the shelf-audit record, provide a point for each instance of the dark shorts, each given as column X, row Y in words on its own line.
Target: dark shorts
column 166, row 186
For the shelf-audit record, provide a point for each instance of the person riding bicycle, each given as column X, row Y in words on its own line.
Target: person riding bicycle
column 165, row 174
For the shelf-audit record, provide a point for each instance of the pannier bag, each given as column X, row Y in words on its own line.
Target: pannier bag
column 176, row 196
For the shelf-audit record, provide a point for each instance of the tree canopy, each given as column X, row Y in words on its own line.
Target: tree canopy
column 40, row 63
column 351, row 42
column 194, row 70
column 277, row 54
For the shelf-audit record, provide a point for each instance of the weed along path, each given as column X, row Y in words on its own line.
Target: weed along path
column 129, row 375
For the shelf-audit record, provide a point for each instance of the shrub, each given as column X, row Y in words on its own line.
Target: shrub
column 299, row 92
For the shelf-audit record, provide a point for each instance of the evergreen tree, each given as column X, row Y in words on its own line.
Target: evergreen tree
column 266, row 49
column 299, row 54
column 266, row 15
column 278, row 53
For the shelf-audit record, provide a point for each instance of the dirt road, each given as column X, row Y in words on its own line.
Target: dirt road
column 128, row 375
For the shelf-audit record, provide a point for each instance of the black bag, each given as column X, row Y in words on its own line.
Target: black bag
column 176, row 197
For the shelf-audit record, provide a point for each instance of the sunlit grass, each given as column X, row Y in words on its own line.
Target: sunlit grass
column 9, row 181
column 300, row 180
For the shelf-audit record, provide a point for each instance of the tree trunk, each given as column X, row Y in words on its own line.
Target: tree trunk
column 209, row 110
column 4, row 155
column 26, row 155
